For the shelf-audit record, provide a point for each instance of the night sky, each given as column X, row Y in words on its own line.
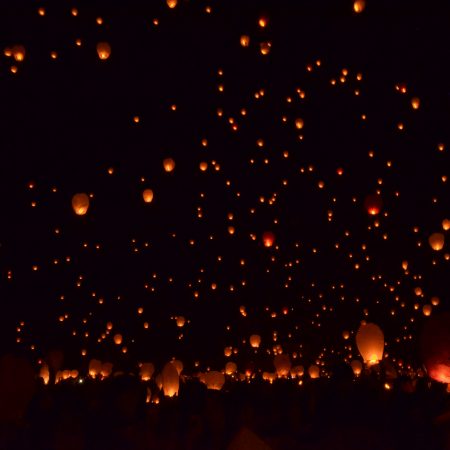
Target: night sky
column 294, row 142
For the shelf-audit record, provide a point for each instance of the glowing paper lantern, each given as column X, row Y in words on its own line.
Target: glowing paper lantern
column 146, row 372
column 373, row 204
column 356, row 367
column 255, row 340
column 245, row 40
column 299, row 123
column 297, row 371
column 435, row 347
column 314, row 371
column 107, row 368
column 230, row 368
column 80, row 204
column 170, row 380
column 358, row 6
column 18, row 53
column 147, row 195
column 103, row 50
column 415, row 103
column 446, row 224
column 427, row 310
column 214, row 380
column 436, row 241
column 181, row 321
column 268, row 238
column 172, row 3
column 169, row 165
column 95, row 367
column 345, row 334
column 118, row 339
column 44, row 373
column 282, row 365
column 370, row 342
column 228, row 351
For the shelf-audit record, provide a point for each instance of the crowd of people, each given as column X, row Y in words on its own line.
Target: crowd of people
column 119, row 414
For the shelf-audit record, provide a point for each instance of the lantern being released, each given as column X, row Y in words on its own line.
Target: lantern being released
column 373, row 204
column 80, row 204
column 170, row 380
column 370, row 342
column 435, row 347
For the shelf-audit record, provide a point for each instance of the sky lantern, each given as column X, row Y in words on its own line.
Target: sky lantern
column 255, row 340
column 282, row 365
column 370, row 342
column 107, row 368
column 314, row 371
column 436, row 241
column 427, row 310
column 299, row 123
column 214, row 380
column 268, row 238
column 181, row 321
column 356, row 367
column 297, row 371
column 18, row 53
column 435, row 347
column 172, row 3
column 146, row 371
column 415, row 103
column 44, row 373
column 170, row 380
column 169, row 165
column 345, row 334
column 245, row 40
column 373, row 204
column 230, row 368
column 228, row 351
column 103, row 50
column 435, row 301
column 147, row 195
column 80, row 204
column 118, row 339
column 358, row 6
column 95, row 367
column 446, row 224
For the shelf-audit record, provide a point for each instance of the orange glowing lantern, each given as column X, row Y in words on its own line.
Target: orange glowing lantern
column 146, row 372
column 170, row 380
column 282, row 365
column 214, row 380
column 356, row 367
column 435, row 347
column 436, row 241
column 103, row 50
column 314, row 371
column 255, row 340
column 373, row 204
column 370, row 342
column 268, row 238
column 230, row 368
column 147, row 195
column 80, row 204
column 169, row 165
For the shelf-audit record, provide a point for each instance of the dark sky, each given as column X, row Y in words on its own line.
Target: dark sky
column 67, row 120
